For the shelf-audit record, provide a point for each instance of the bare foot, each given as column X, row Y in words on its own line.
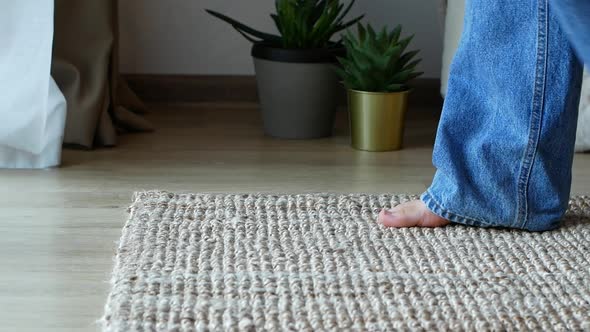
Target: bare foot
column 411, row 214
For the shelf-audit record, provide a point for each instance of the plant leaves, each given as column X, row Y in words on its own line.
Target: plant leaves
column 395, row 34
column 246, row 29
column 377, row 62
column 396, row 87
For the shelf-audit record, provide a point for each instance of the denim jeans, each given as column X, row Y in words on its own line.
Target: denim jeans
column 504, row 147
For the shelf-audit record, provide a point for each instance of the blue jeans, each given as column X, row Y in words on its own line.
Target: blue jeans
column 505, row 142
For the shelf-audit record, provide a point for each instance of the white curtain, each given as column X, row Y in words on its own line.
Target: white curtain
column 32, row 108
column 453, row 29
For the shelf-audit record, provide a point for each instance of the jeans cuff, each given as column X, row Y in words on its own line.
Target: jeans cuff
column 436, row 207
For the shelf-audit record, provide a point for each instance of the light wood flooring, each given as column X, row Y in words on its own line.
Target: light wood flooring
column 59, row 227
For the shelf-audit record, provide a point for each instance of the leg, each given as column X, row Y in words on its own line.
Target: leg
column 504, row 147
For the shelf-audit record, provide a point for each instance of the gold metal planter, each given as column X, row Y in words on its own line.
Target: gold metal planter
column 377, row 119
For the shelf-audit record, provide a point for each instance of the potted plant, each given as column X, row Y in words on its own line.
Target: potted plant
column 376, row 71
column 297, row 86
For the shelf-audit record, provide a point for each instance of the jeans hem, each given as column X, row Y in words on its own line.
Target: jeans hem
column 436, row 207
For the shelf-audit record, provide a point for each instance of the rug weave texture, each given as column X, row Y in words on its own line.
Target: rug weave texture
column 207, row 262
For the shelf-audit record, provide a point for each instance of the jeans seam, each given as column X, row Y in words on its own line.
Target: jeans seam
column 538, row 105
column 447, row 214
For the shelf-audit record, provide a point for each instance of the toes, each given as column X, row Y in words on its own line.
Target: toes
column 411, row 214
column 396, row 218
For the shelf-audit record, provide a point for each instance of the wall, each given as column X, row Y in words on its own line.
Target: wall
column 178, row 37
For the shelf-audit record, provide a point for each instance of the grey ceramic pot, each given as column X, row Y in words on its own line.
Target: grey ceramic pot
column 298, row 91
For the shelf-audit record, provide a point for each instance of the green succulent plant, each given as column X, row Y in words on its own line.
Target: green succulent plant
column 302, row 24
column 378, row 62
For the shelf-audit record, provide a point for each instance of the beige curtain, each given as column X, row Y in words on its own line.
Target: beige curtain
column 85, row 68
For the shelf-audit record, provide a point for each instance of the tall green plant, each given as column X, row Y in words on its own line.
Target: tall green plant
column 302, row 24
column 378, row 62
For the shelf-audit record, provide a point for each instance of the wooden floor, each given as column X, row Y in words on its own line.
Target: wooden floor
column 59, row 227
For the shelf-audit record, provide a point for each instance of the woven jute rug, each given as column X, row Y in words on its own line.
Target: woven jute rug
column 321, row 262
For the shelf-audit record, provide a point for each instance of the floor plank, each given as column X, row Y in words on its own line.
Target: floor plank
column 60, row 226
